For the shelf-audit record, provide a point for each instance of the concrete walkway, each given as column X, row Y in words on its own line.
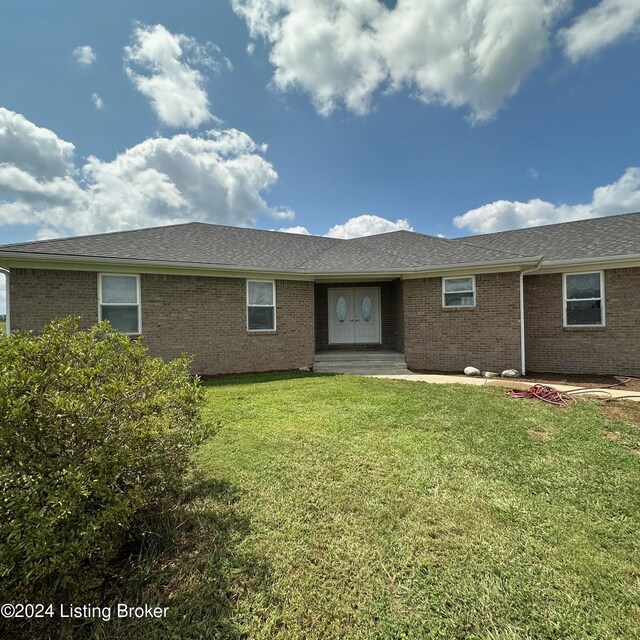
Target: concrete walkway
column 616, row 392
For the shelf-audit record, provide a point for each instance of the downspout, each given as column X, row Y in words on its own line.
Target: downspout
column 8, row 310
column 522, row 347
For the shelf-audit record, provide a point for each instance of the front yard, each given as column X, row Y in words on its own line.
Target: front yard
column 345, row 507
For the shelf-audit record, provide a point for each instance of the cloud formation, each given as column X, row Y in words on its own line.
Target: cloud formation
column 297, row 229
column 600, row 27
column 456, row 53
column 84, row 55
column 367, row 225
column 621, row 196
column 460, row 53
column 97, row 101
column 165, row 67
column 217, row 177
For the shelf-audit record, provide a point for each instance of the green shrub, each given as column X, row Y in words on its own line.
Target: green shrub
column 93, row 433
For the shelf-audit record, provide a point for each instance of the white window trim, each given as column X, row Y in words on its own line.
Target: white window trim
column 275, row 322
column 564, row 301
column 138, row 304
column 459, row 306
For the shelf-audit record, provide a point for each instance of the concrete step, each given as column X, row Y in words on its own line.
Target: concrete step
column 361, row 362
column 338, row 356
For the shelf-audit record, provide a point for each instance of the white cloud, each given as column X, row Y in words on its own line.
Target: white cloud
column 600, row 27
column 164, row 67
column 283, row 213
column 33, row 149
column 367, row 225
column 621, row 196
column 298, row 229
column 84, row 55
column 460, row 52
column 532, row 173
column 217, row 177
column 97, row 101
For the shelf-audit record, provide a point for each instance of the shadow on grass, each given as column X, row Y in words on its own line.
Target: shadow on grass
column 191, row 562
column 254, row 378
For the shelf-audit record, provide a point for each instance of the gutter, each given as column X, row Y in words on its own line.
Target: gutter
column 631, row 257
column 8, row 307
column 523, row 364
column 6, row 256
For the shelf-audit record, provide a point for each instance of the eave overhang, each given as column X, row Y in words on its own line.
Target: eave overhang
column 19, row 259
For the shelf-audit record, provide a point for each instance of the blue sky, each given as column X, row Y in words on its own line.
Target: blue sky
column 329, row 116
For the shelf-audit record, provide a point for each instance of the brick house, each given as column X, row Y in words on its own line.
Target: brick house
column 558, row 298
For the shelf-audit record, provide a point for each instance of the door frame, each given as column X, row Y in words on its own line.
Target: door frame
column 329, row 310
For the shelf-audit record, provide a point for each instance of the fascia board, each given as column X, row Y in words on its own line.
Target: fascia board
column 34, row 260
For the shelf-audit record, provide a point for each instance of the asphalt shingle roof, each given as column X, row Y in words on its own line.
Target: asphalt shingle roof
column 215, row 245
column 402, row 250
column 593, row 238
column 195, row 242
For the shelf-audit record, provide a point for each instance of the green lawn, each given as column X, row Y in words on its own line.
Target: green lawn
column 345, row 507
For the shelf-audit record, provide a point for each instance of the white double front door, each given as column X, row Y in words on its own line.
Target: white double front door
column 354, row 315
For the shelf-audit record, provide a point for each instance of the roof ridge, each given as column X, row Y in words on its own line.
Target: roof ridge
column 98, row 235
column 163, row 226
column 232, row 226
column 552, row 224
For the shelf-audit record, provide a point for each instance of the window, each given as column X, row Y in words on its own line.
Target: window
column 261, row 305
column 583, row 299
column 119, row 302
column 459, row 292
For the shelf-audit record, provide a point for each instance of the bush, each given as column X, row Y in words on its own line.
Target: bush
column 93, row 432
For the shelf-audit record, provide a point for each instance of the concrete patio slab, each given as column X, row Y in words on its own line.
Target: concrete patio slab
column 511, row 384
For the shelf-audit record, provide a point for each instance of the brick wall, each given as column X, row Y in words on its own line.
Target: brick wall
column 391, row 329
column 39, row 295
column 398, row 314
column 199, row 315
column 487, row 336
column 612, row 349
column 207, row 317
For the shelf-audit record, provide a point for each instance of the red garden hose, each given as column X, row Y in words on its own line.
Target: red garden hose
column 544, row 393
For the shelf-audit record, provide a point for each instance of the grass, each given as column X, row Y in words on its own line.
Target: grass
column 345, row 507
column 3, row 326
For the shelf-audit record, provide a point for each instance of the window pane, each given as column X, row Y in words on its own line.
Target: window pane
column 458, row 300
column 453, row 285
column 584, row 285
column 120, row 289
column 260, row 293
column 261, row 318
column 584, row 312
column 122, row 319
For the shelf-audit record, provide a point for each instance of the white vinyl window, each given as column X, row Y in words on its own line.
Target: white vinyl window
column 261, row 305
column 459, row 292
column 583, row 295
column 119, row 302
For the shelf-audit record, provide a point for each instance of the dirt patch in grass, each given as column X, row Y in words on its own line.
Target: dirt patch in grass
column 612, row 436
column 545, row 435
column 621, row 410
